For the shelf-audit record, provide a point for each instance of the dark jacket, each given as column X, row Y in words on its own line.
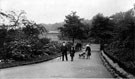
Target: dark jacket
column 72, row 51
column 64, row 49
column 88, row 49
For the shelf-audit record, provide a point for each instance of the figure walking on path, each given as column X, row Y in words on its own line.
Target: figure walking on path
column 88, row 51
column 64, row 51
column 72, row 52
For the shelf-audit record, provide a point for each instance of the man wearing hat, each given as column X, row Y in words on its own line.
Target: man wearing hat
column 64, row 51
column 88, row 51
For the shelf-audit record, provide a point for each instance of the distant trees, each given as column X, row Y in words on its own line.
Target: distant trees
column 73, row 27
column 101, row 29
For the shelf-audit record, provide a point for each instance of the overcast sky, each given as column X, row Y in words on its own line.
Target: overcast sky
column 52, row 11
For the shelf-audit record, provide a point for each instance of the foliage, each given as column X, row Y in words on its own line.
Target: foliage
column 44, row 41
column 73, row 28
column 2, row 36
column 122, row 47
column 14, row 18
column 125, row 33
column 117, row 31
column 23, row 43
column 101, row 28
column 31, row 30
column 52, row 48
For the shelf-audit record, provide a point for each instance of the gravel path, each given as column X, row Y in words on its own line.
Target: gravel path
column 79, row 68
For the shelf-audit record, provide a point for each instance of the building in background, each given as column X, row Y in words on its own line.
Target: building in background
column 53, row 35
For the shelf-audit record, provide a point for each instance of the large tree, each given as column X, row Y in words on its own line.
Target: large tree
column 101, row 28
column 13, row 18
column 73, row 27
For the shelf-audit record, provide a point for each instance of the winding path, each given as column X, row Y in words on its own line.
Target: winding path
column 79, row 68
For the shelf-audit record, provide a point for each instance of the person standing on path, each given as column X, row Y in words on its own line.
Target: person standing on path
column 64, row 51
column 72, row 52
column 88, row 51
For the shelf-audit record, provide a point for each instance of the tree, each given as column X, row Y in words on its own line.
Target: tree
column 125, row 27
column 14, row 18
column 31, row 30
column 73, row 28
column 41, row 28
column 101, row 28
column 123, row 40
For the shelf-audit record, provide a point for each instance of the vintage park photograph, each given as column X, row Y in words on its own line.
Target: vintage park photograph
column 58, row 39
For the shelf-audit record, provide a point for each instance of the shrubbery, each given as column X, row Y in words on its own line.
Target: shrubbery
column 122, row 47
column 29, row 49
column 24, row 44
column 117, row 32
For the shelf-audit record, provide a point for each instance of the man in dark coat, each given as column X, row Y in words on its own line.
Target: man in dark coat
column 88, row 51
column 64, row 51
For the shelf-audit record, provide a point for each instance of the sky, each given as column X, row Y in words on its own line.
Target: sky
column 53, row 11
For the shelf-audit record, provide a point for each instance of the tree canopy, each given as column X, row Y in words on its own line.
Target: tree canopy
column 73, row 27
column 101, row 28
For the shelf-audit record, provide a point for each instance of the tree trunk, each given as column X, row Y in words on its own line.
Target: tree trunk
column 73, row 40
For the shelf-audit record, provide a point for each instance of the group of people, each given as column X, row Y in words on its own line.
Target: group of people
column 72, row 51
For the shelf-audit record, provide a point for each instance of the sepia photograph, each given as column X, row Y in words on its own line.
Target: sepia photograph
column 67, row 39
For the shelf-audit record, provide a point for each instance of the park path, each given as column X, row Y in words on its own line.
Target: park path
column 79, row 68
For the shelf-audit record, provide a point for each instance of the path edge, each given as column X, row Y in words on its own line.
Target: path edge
column 30, row 62
column 114, row 68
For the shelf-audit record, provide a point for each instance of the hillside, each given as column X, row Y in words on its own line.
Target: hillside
column 53, row 27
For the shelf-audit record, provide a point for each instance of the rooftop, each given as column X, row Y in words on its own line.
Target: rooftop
column 53, row 32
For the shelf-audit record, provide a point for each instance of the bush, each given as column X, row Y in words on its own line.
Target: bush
column 24, row 49
column 52, row 48
column 124, row 57
column 19, row 50
column 44, row 41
